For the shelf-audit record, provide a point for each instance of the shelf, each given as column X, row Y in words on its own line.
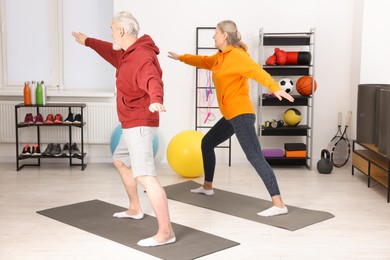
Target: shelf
column 82, row 105
column 299, row 130
column 22, row 157
column 278, row 70
column 22, row 124
column 37, row 127
column 305, row 42
column 299, row 100
column 286, row 161
column 295, row 39
column 375, row 165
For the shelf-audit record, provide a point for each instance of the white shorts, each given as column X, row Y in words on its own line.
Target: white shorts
column 135, row 150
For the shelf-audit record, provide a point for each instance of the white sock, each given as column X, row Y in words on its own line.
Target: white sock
column 203, row 191
column 124, row 214
column 149, row 242
column 273, row 211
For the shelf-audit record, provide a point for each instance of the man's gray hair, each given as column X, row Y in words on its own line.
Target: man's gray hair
column 127, row 21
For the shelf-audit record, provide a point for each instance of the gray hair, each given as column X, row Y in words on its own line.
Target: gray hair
column 128, row 22
column 234, row 36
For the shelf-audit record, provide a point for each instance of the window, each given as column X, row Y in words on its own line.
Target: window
column 37, row 43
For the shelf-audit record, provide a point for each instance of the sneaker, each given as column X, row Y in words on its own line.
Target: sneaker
column 38, row 119
column 77, row 119
column 28, row 119
column 56, row 151
column 66, row 149
column 48, row 149
column 26, row 150
column 58, row 119
column 49, row 119
column 75, row 150
column 36, row 151
column 69, row 119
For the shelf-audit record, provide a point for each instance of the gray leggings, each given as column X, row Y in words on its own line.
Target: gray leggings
column 243, row 127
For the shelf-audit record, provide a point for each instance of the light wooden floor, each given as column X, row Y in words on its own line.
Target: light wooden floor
column 360, row 230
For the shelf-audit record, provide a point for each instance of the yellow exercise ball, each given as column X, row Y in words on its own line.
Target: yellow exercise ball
column 184, row 153
column 292, row 117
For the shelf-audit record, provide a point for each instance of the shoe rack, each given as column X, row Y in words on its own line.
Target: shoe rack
column 20, row 126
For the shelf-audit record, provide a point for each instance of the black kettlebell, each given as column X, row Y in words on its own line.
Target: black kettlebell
column 325, row 165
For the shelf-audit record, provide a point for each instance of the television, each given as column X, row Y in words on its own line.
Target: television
column 373, row 116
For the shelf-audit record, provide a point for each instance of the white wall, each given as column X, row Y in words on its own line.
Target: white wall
column 375, row 43
column 339, row 49
column 172, row 25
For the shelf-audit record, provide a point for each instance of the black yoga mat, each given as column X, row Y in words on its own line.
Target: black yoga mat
column 95, row 216
column 244, row 206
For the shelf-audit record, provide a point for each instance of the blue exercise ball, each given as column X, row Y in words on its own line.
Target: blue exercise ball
column 116, row 135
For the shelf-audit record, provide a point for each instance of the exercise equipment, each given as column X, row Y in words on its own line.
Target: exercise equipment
column 292, row 117
column 304, row 85
column 116, row 135
column 287, row 85
column 325, row 165
column 281, row 57
column 184, row 153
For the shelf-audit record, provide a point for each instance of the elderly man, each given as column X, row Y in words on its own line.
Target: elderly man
column 139, row 101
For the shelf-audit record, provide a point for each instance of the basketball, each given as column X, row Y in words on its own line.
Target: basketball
column 304, row 85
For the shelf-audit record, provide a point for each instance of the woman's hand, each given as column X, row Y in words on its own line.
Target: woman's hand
column 283, row 94
column 173, row 55
column 80, row 37
column 157, row 107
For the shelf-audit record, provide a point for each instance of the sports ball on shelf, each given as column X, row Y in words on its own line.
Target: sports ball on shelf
column 286, row 84
column 304, row 85
column 292, row 117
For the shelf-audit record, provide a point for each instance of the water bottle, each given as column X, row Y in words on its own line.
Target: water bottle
column 43, row 92
column 39, row 94
column 27, row 93
column 33, row 89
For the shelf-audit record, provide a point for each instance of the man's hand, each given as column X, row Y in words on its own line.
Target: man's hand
column 80, row 37
column 156, row 107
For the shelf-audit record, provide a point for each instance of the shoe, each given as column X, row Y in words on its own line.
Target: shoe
column 56, row 151
column 38, row 119
column 69, row 119
column 75, row 150
column 77, row 119
column 58, row 119
column 66, row 149
column 48, row 149
column 36, row 151
column 28, row 119
column 26, row 150
column 49, row 119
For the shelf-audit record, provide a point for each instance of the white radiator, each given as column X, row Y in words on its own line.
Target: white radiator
column 100, row 119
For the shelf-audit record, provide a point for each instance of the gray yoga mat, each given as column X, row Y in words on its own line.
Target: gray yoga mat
column 244, row 206
column 95, row 216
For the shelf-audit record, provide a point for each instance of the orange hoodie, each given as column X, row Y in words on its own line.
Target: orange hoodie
column 231, row 69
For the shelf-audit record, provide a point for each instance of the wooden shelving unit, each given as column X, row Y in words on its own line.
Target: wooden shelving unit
column 367, row 159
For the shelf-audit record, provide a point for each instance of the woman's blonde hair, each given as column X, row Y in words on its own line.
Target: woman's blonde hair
column 234, row 36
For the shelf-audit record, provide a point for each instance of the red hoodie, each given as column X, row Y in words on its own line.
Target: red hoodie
column 138, row 80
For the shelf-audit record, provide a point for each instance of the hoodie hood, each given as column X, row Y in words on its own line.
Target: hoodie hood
column 144, row 42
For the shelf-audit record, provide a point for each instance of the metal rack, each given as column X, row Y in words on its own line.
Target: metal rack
column 303, row 40
column 200, row 123
column 38, row 108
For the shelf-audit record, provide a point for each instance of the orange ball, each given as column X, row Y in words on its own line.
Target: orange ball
column 304, row 85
